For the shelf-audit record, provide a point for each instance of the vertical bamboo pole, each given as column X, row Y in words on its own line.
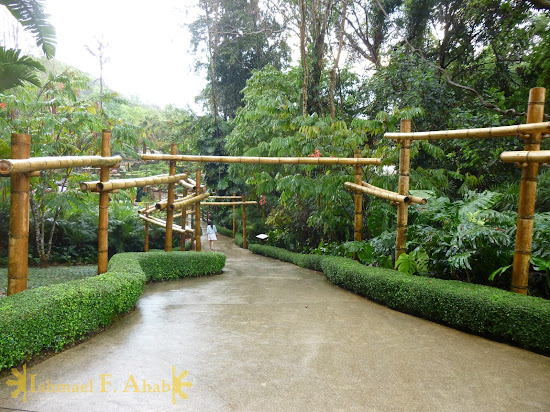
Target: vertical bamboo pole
column 234, row 218
column 18, row 250
column 183, row 221
column 145, row 191
column 198, row 214
column 527, row 197
column 402, row 209
column 103, row 230
column 358, row 201
column 146, row 247
column 171, row 198
column 244, row 223
column 160, row 193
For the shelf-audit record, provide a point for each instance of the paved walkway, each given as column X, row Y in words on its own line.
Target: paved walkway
column 269, row 336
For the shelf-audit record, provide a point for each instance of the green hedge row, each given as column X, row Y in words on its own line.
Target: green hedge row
column 497, row 314
column 50, row 317
column 229, row 232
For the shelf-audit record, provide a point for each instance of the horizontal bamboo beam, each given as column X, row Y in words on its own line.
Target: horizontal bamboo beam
column 164, row 203
column 413, row 199
column 247, row 202
column 481, row 133
column 381, row 193
column 139, row 182
column 267, row 160
column 61, row 162
column 162, row 223
column 186, row 185
column 193, row 200
column 225, row 197
column 523, row 156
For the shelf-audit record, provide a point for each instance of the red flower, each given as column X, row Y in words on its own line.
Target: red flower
column 3, row 105
column 262, row 200
column 316, row 153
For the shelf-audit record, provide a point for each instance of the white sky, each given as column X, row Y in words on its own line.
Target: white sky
column 148, row 46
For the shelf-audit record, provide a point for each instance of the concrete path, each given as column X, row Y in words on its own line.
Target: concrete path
column 269, row 336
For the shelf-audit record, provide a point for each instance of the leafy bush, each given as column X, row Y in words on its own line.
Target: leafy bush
column 50, row 317
column 520, row 320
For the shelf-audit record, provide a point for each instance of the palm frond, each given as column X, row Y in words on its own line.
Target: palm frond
column 31, row 15
column 16, row 70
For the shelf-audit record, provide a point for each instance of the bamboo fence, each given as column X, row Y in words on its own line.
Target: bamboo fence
column 32, row 164
column 481, row 133
column 266, row 160
column 523, row 157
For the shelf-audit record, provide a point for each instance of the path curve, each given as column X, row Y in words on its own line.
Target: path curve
column 269, row 336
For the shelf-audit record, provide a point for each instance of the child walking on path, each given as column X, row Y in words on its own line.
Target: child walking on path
column 211, row 233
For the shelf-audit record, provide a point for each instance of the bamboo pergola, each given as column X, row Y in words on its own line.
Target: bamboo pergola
column 532, row 133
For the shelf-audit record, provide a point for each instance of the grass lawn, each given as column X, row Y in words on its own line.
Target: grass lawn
column 48, row 276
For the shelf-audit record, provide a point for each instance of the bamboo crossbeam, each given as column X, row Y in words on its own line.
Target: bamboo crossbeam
column 191, row 200
column 248, row 202
column 162, row 223
column 89, row 185
column 267, row 160
column 164, row 203
column 225, row 197
column 185, row 184
column 412, row 199
column 61, row 162
column 381, row 193
column 523, row 156
column 481, row 133
column 138, row 182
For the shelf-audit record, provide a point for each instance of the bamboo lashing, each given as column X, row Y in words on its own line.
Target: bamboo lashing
column 412, row 199
column 198, row 245
column 138, row 182
column 380, row 193
column 62, row 162
column 480, row 133
column 266, row 160
column 358, row 205
column 170, row 201
column 403, row 190
column 527, row 197
column 533, row 156
column 162, row 223
column 248, row 202
column 103, row 229
column 18, row 250
column 190, row 200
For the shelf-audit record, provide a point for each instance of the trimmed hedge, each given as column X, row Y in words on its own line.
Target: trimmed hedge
column 229, row 233
column 51, row 317
column 497, row 314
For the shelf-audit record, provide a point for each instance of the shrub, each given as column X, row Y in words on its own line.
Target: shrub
column 504, row 316
column 50, row 317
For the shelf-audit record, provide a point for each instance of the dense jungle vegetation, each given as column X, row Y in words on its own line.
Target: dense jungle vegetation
column 359, row 67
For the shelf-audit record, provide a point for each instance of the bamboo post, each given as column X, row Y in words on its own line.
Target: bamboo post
column 183, row 222
column 527, row 196
column 358, row 202
column 234, row 218
column 244, row 222
column 103, row 230
column 18, row 250
column 170, row 201
column 198, row 215
column 145, row 191
column 402, row 208
column 160, row 193
column 146, row 248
